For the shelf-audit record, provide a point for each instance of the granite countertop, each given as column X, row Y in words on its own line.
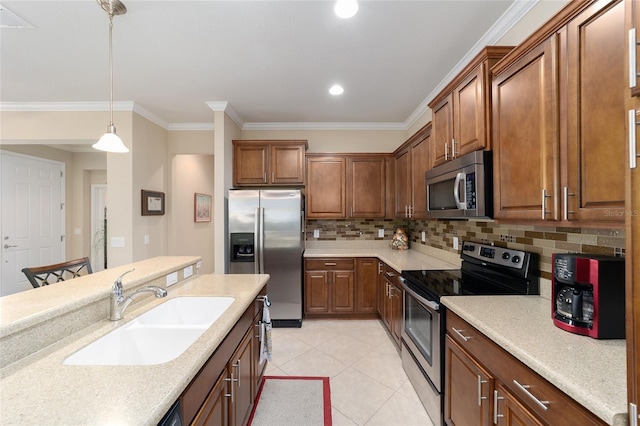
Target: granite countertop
column 400, row 260
column 591, row 371
column 40, row 390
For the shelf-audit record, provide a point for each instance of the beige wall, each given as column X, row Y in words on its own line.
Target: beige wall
column 192, row 173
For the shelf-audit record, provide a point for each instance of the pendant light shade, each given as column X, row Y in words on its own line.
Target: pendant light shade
column 110, row 141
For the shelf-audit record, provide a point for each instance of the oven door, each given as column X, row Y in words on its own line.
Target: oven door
column 421, row 333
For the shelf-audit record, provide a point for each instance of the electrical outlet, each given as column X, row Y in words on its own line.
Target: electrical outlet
column 172, row 278
column 146, row 240
column 187, row 272
column 198, row 265
column 424, row 237
column 381, row 233
column 455, row 243
column 316, row 233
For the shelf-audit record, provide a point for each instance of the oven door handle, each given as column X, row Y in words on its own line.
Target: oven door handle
column 429, row 304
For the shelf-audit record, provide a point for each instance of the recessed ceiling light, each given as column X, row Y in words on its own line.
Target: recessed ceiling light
column 346, row 8
column 336, row 89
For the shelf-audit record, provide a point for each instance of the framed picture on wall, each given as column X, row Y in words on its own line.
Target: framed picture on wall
column 201, row 208
column 152, row 203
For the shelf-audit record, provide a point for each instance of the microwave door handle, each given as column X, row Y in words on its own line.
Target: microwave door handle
column 456, row 191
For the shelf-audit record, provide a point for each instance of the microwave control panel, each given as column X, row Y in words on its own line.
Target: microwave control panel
column 470, row 191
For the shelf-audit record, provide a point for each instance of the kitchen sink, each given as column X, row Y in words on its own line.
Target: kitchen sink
column 157, row 336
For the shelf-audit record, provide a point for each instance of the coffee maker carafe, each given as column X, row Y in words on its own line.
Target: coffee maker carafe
column 588, row 295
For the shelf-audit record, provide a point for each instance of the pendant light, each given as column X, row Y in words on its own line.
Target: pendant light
column 110, row 141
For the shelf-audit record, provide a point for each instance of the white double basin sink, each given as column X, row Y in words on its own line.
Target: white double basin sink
column 157, row 336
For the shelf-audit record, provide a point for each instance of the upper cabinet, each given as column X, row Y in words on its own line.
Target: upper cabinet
column 462, row 111
column 411, row 162
column 344, row 186
column 268, row 162
column 559, row 120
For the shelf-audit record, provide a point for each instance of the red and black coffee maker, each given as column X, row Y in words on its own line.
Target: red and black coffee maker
column 588, row 295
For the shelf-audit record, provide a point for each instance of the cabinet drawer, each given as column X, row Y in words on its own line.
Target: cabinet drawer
column 329, row 264
column 549, row 403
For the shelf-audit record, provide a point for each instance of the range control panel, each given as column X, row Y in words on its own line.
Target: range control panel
column 495, row 255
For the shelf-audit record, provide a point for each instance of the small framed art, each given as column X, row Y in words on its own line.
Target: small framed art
column 201, row 208
column 152, row 203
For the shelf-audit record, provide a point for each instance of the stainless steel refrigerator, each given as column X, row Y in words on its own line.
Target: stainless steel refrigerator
column 266, row 236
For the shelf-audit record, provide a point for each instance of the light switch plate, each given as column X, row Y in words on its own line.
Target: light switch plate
column 424, row 237
column 455, row 243
column 381, row 233
column 316, row 233
column 117, row 241
column 187, row 272
column 146, row 239
column 172, row 278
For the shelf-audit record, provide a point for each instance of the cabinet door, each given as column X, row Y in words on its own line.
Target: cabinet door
column 215, row 410
column 469, row 388
column 366, row 285
column 509, row 411
column 403, row 183
column 442, row 131
column 396, row 297
column 287, row 164
column 388, row 306
column 595, row 114
column 240, row 367
column 419, row 165
column 316, row 292
column 326, row 187
column 525, row 145
column 342, row 292
column 469, row 114
column 366, row 185
column 257, row 367
column 250, row 164
column 381, row 285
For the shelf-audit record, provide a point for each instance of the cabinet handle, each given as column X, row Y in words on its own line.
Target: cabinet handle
column 238, row 367
column 390, row 274
column 525, row 389
column 459, row 333
column 231, row 392
column 273, row 177
column 496, row 416
column 329, row 263
column 265, row 177
column 633, row 71
column 632, row 139
column 566, row 194
column 410, row 211
column 545, row 212
column 386, row 289
column 453, row 149
column 257, row 326
column 379, row 267
column 480, row 397
column 446, row 151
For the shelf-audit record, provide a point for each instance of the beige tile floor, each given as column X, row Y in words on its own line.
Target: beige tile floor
column 368, row 385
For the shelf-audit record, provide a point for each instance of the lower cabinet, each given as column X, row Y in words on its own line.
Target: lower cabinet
column 485, row 385
column 329, row 286
column 391, row 292
column 224, row 390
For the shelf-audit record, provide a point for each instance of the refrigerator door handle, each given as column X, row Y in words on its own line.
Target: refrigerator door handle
column 256, row 233
column 261, row 240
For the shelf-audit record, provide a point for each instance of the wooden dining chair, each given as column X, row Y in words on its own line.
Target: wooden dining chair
column 51, row 274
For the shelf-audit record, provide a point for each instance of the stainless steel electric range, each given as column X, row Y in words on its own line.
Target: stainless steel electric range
column 486, row 270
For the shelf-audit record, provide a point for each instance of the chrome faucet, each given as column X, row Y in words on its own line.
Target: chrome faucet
column 119, row 303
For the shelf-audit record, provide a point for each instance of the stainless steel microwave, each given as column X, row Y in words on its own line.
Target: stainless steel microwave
column 461, row 188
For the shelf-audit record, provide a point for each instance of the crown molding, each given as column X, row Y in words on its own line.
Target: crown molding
column 191, row 126
column 324, row 126
column 228, row 109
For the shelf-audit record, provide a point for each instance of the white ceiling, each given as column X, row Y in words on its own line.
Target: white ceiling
column 272, row 61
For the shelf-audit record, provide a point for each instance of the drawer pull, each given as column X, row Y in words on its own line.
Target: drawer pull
column 390, row 274
column 496, row 416
column 459, row 333
column 525, row 389
column 329, row 263
column 480, row 397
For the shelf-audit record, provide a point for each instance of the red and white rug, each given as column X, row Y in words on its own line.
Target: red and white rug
column 292, row 401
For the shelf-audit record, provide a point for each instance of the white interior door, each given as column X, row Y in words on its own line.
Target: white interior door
column 98, row 226
column 32, row 217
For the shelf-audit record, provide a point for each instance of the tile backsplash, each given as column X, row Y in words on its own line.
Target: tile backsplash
column 543, row 240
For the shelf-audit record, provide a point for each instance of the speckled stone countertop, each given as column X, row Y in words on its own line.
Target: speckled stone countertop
column 591, row 371
column 398, row 259
column 40, row 390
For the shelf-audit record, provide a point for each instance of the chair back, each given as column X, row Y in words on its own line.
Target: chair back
column 45, row 275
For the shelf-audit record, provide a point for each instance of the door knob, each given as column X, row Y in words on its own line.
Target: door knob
column 8, row 246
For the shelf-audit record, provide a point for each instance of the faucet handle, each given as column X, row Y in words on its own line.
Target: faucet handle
column 117, row 285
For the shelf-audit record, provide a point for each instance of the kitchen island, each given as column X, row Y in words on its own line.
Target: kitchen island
column 39, row 390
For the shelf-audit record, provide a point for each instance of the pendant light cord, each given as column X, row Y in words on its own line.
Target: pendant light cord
column 111, row 69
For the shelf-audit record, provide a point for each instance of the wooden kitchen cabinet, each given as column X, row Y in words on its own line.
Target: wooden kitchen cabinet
column 462, row 111
column 366, row 285
column 266, row 162
column 484, row 382
column 411, row 163
column 559, row 120
column 329, row 286
column 346, row 186
column 392, row 304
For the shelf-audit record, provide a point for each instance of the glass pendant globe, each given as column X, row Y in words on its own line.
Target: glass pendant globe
column 110, row 142
column 346, row 8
